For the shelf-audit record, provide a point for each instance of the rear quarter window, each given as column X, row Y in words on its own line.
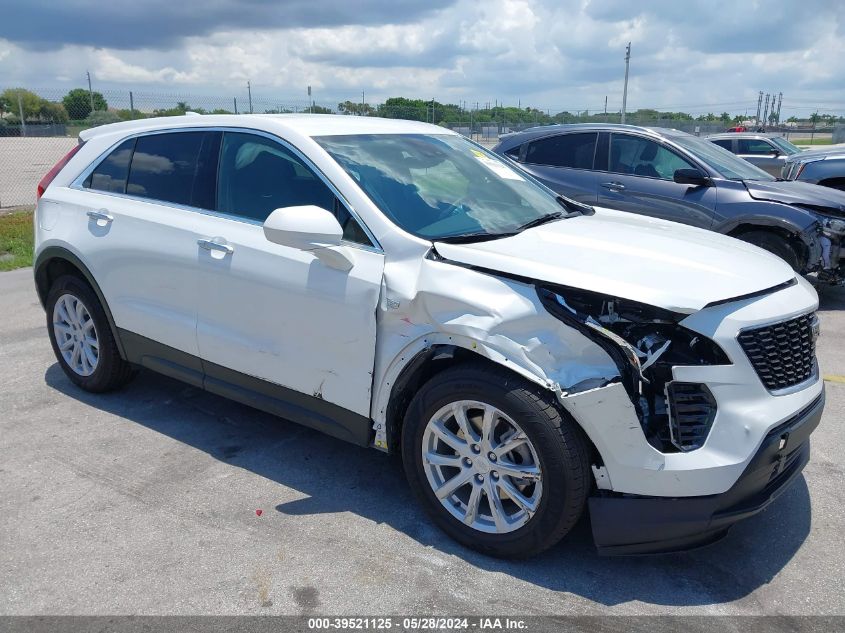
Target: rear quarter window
column 110, row 175
column 726, row 143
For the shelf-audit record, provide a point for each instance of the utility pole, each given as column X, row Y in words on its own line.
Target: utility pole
column 131, row 105
column 605, row 108
column 625, row 89
column 759, row 105
column 309, row 100
column 362, row 103
column 780, row 100
column 249, row 93
column 90, row 92
column 235, row 99
column 20, row 112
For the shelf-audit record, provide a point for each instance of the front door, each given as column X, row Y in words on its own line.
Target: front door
column 278, row 314
column 640, row 180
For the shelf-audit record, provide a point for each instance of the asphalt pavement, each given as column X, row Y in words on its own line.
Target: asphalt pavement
column 163, row 499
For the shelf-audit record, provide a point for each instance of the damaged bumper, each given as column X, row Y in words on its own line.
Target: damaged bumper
column 632, row 524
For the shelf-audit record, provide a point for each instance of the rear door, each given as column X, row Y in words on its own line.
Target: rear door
column 763, row 153
column 141, row 234
column 276, row 313
column 639, row 179
column 564, row 163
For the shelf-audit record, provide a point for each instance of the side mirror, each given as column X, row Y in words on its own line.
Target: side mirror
column 310, row 228
column 306, row 228
column 689, row 176
column 775, row 152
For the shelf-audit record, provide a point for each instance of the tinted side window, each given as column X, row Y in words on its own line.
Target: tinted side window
column 643, row 157
column 564, row 150
column 110, row 175
column 754, row 146
column 724, row 142
column 258, row 175
column 165, row 167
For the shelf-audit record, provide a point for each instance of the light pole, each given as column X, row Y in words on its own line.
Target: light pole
column 625, row 89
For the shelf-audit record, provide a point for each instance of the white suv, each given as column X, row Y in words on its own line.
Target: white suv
column 395, row 285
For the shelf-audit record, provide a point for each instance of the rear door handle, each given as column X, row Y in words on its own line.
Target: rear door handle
column 215, row 244
column 615, row 186
column 100, row 216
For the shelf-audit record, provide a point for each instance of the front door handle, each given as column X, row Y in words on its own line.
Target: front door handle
column 614, row 186
column 215, row 244
column 100, row 216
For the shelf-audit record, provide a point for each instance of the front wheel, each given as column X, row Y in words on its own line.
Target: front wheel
column 494, row 461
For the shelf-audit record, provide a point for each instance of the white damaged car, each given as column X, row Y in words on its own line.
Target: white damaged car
column 397, row 286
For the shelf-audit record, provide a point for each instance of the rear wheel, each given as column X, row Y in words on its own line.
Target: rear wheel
column 774, row 243
column 494, row 461
column 82, row 339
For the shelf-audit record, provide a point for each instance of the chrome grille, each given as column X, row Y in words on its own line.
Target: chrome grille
column 783, row 354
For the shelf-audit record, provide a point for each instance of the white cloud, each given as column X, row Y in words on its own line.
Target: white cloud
column 555, row 54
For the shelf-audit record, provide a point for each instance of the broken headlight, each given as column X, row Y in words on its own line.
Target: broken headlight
column 646, row 342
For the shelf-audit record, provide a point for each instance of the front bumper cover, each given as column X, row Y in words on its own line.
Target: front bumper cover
column 633, row 524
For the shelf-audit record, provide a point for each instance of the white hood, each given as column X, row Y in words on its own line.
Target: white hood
column 652, row 261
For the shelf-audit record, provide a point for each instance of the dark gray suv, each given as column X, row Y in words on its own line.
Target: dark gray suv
column 673, row 175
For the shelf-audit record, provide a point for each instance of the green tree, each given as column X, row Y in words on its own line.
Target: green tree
column 52, row 112
column 101, row 117
column 22, row 99
column 77, row 103
column 351, row 107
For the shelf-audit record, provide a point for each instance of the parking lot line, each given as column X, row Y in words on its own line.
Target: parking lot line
column 834, row 378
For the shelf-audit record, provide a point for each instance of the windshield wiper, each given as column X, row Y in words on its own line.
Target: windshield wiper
column 462, row 238
column 574, row 207
column 543, row 219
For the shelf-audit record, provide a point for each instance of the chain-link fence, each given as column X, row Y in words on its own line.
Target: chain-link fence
column 38, row 128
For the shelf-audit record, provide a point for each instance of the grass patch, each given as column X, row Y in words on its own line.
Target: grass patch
column 16, row 237
column 807, row 141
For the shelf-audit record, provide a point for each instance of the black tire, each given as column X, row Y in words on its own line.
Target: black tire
column 111, row 371
column 775, row 244
column 834, row 183
column 562, row 452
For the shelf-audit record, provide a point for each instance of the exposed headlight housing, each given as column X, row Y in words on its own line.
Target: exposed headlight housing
column 646, row 342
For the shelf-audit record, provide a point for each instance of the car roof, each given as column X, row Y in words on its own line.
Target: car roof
column 303, row 124
column 745, row 135
column 508, row 141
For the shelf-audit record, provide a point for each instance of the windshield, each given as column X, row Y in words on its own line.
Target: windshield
column 441, row 186
column 788, row 148
column 719, row 159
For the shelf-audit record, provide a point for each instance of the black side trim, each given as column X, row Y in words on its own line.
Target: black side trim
column 162, row 359
column 41, row 268
column 751, row 295
column 292, row 405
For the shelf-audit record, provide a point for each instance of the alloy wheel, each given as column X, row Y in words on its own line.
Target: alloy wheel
column 482, row 467
column 76, row 335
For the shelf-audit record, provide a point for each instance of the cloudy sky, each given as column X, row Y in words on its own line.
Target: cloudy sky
column 554, row 54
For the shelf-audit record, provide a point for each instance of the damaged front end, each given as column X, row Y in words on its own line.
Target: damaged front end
column 646, row 342
column 832, row 240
